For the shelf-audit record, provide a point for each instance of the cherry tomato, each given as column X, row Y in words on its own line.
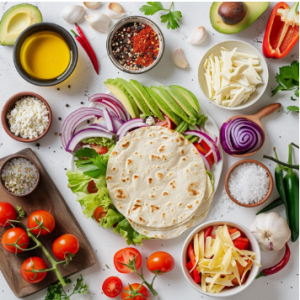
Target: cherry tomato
column 99, row 213
column 91, row 188
column 160, row 261
column 7, row 212
column 37, row 263
column 64, row 245
column 41, row 216
column 112, row 287
column 11, row 236
column 99, row 149
column 166, row 123
column 135, row 286
column 124, row 256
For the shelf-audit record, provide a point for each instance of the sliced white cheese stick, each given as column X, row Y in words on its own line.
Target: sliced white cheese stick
column 238, row 97
column 237, row 58
column 209, row 85
column 238, row 71
column 241, row 54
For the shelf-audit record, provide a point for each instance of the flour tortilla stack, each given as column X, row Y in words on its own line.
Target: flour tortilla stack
column 157, row 180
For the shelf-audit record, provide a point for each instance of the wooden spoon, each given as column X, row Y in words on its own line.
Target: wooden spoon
column 269, row 109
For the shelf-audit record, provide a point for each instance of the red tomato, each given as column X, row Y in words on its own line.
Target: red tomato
column 41, row 216
column 124, row 256
column 166, row 123
column 65, row 244
column 11, row 236
column 135, row 286
column 91, row 188
column 7, row 212
column 112, row 287
column 201, row 149
column 99, row 149
column 160, row 261
column 99, row 213
column 37, row 263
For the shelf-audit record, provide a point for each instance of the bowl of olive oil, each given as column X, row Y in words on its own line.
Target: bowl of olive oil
column 45, row 54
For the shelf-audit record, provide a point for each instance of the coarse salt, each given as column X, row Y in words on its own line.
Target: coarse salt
column 249, row 183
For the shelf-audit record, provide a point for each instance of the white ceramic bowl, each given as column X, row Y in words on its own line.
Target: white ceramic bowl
column 241, row 47
column 229, row 292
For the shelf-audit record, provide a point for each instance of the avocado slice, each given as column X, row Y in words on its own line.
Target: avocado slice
column 163, row 106
column 138, row 99
column 181, row 101
column 118, row 90
column 17, row 19
column 173, row 104
column 147, row 98
column 188, row 95
column 254, row 10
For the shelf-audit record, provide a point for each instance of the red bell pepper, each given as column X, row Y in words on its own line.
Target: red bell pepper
column 241, row 243
column 282, row 31
column 192, row 257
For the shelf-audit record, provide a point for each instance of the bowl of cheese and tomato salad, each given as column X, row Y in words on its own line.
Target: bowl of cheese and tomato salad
column 220, row 258
column 45, row 54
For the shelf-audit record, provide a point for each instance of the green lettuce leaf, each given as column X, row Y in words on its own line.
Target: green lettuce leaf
column 101, row 141
column 112, row 217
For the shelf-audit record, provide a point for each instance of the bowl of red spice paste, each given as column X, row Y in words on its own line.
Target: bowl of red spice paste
column 135, row 44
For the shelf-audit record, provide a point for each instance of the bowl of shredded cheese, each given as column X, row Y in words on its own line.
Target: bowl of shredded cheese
column 233, row 74
column 220, row 258
column 26, row 117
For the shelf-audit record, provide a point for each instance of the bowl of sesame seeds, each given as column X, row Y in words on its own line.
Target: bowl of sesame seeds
column 135, row 45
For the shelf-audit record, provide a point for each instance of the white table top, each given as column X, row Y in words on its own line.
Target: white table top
column 281, row 129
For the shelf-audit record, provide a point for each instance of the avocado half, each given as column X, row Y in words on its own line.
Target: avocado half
column 254, row 10
column 17, row 19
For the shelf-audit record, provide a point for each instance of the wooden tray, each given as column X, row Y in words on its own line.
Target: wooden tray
column 46, row 196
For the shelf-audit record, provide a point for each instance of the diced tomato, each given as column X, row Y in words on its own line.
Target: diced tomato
column 203, row 151
column 167, row 123
column 241, row 243
column 200, row 148
column 99, row 213
column 207, row 232
column 91, row 188
column 197, row 277
column 99, row 149
column 192, row 257
column 232, row 231
column 245, row 241
column 189, row 265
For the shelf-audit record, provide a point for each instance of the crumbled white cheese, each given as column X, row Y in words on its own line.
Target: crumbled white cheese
column 29, row 118
column 150, row 121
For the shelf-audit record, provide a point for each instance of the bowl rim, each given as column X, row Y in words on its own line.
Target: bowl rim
column 10, row 103
column 242, row 162
column 19, row 156
column 125, row 20
column 68, row 71
column 254, row 271
column 247, row 104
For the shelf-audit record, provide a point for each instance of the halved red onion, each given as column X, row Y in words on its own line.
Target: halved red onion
column 239, row 136
column 129, row 125
column 108, row 120
column 83, row 134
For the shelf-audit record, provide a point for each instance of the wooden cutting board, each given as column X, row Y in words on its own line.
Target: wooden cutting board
column 46, row 196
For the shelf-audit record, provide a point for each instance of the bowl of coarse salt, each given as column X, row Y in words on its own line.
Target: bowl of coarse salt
column 26, row 117
column 248, row 183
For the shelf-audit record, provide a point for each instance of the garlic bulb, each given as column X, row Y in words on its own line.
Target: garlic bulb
column 115, row 10
column 198, row 36
column 92, row 5
column 73, row 13
column 179, row 59
column 271, row 231
column 99, row 22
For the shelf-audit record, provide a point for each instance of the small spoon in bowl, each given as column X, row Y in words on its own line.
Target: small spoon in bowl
column 267, row 110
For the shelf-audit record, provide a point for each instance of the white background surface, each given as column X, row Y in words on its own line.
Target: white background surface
column 281, row 128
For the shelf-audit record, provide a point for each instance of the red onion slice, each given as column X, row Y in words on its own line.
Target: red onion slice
column 108, row 120
column 129, row 125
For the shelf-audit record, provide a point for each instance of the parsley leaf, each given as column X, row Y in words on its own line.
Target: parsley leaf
column 293, row 108
column 171, row 18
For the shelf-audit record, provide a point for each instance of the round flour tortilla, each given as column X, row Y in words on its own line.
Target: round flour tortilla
column 156, row 178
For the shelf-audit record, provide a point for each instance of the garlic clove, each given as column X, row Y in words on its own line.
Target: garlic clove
column 115, row 10
column 99, row 22
column 198, row 36
column 92, row 5
column 179, row 59
column 73, row 13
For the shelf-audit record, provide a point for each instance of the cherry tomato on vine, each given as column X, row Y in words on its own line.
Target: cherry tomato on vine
column 11, row 236
column 41, row 216
column 112, row 286
column 7, row 212
column 99, row 213
column 160, row 261
column 99, row 149
column 91, row 188
column 124, row 256
column 135, row 286
column 37, row 263
column 65, row 244
column 166, row 123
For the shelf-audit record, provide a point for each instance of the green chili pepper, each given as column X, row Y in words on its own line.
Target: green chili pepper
column 182, row 127
column 194, row 139
column 291, row 183
column 280, row 186
column 272, row 205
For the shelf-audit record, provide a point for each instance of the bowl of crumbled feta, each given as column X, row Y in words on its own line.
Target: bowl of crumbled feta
column 26, row 117
column 19, row 175
column 248, row 183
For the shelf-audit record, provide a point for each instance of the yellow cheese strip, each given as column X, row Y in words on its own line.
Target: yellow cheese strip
column 245, row 271
column 217, row 288
column 213, row 282
column 235, row 271
column 233, row 262
column 215, row 271
column 218, row 254
column 208, row 244
column 196, row 247
column 220, row 281
column 203, row 282
column 227, row 259
column 239, row 258
column 205, row 64
column 201, row 244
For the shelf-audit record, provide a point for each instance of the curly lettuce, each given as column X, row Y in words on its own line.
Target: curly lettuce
column 100, row 141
